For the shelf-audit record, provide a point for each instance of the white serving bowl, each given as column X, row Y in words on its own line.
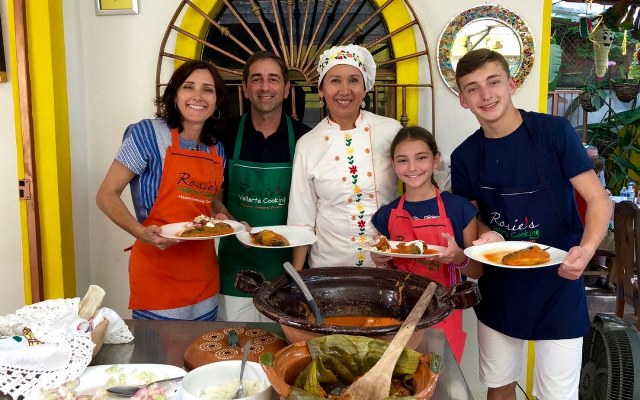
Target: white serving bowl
column 201, row 378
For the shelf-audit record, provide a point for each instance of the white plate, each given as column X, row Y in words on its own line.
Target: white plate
column 479, row 253
column 296, row 235
column 170, row 230
column 430, row 249
column 100, row 377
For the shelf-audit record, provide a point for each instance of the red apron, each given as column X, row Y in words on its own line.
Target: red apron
column 185, row 273
column 403, row 227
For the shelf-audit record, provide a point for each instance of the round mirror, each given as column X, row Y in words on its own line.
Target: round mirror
column 491, row 27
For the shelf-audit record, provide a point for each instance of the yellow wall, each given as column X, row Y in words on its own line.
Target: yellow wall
column 47, row 74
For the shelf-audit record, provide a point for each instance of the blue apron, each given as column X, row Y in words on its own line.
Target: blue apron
column 532, row 304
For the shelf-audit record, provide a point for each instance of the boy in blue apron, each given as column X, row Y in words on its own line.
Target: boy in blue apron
column 521, row 169
column 260, row 147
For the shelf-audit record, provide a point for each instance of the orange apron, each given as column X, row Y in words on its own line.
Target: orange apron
column 185, row 273
column 403, row 227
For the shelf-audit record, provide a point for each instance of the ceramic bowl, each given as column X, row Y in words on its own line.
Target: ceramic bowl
column 351, row 291
column 197, row 380
column 289, row 361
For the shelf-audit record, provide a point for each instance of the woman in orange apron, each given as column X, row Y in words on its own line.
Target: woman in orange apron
column 174, row 166
column 424, row 213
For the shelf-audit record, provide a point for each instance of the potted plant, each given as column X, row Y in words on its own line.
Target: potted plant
column 627, row 86
column 593, row 96
column 618, row 140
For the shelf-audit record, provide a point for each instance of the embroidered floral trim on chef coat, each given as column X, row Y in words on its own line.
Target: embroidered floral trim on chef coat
column 357, row 197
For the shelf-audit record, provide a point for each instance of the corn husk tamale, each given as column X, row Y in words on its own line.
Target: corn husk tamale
column 337, row 360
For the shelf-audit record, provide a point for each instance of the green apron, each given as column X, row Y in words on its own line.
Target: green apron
column 259, row 194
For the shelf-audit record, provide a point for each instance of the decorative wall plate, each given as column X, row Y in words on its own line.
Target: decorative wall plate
column 486, row 26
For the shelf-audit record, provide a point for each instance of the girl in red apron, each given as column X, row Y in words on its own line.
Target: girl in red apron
column 424, row 213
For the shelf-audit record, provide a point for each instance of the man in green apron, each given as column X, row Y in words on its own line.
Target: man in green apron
column 259, row 146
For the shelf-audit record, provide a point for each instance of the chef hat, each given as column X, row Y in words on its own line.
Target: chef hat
column 350, row 54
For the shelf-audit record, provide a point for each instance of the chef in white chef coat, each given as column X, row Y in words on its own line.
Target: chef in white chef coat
column 342, row 168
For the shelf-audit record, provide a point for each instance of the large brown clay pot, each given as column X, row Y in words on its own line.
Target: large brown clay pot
column 287, row 364
column 341, row 291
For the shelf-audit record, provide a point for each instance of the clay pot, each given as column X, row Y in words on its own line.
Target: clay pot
column 291, row 360
column 352, row 291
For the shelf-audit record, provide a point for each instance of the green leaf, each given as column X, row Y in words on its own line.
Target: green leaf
column 266, row 359
column 555, row 60
column 617, row 138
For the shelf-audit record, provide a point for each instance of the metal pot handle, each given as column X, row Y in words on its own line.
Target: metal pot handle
column 462, row 295
column 248, row 281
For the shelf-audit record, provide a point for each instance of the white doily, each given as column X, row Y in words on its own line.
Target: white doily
column 43, row 314
column 65, row 349
column 62, row 357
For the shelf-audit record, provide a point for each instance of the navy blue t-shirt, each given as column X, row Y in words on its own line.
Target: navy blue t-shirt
column 459, row 210
column 509, row 161
column 534, row 304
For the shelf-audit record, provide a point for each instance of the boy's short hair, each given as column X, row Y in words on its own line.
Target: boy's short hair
column 476, row 59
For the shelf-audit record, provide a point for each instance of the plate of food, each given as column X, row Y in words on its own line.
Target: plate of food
column 412, row 249
column 201, row 228
column 277, row 236
column 515, row 254
column 96, row 379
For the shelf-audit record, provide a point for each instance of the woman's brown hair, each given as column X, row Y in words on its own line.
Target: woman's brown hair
column 168, row 110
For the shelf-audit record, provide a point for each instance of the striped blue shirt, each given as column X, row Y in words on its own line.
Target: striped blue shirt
column 143, row 150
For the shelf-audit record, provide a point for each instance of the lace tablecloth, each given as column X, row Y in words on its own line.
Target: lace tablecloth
column 46, row 344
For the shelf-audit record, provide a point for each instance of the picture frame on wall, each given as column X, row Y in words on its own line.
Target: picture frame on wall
column 116, row 7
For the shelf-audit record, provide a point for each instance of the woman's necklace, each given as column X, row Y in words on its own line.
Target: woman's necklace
column 196, row 146
column 196, row 143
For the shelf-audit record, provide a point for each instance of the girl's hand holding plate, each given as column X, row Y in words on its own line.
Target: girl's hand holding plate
column 449, row 253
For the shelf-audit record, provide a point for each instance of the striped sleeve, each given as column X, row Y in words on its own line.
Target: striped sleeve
column 220, row 151
column 134, row 151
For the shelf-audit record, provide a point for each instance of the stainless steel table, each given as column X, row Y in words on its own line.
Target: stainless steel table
column 164, row 342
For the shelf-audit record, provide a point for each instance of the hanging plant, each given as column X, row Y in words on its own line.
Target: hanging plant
column 626, row 91
column 626, row 86
column 592, row 97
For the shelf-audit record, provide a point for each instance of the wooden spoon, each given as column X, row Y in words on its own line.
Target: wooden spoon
column 376, row 383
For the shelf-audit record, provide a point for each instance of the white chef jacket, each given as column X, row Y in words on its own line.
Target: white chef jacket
column 340, row 179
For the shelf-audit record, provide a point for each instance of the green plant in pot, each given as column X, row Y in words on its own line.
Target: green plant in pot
column 627, row 85
column 617, row 138
column 593, row 95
